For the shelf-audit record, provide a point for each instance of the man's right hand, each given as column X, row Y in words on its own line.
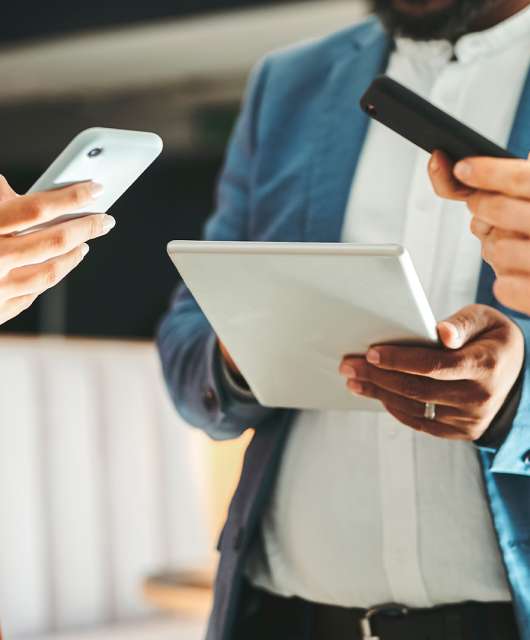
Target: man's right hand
column 32, row 263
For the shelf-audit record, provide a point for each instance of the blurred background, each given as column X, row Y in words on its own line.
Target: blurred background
column 109, row 504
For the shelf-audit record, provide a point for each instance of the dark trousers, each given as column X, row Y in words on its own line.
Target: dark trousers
column 266, row 617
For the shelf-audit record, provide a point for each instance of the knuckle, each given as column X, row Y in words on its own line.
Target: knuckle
column 366, row 388
column 463, row 322
column 480, row 229
column 480, row 395
column 450, row 361
column 521, row 178
column 475, row 432
column 79, row 196
column 499, row 206
column 376, row 392
column 438, row 187
column 486, row 360
column 476, row 202
column 411, row 389
column 58, row 239
column 455, row 361
column 500, row 250
column 27, row 302
column 95, row 226
column 475, row 227
column 34, row 209
column 9, row 254
column 49, row 275
column 388, row 357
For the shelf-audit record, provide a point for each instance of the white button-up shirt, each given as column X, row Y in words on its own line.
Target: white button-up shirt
column 366, row 510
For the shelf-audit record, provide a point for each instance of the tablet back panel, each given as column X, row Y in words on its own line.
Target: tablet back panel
column 289, row 312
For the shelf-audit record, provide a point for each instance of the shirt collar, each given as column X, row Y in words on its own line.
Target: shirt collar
column 471, row 46
column 501, row 36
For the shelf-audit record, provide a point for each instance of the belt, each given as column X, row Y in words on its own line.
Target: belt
column 265, row 616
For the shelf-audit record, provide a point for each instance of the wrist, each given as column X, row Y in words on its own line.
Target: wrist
column 231, row 373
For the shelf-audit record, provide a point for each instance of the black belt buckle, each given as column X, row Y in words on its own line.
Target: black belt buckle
column 392, row 610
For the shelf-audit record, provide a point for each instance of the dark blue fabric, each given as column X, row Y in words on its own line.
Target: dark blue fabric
column 287, row 177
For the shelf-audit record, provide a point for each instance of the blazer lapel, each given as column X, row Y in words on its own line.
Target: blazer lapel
column 519, row 145
column 520, row 138
column 340, row 134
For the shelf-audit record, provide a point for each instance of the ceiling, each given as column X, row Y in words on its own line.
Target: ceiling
column 164, row 76
column 26, row 20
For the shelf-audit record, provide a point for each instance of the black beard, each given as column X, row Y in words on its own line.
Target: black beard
column 446, row 24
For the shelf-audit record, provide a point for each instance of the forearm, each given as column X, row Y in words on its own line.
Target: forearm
column 191, row 364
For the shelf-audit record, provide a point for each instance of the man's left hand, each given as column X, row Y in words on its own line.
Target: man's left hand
column 468, row 378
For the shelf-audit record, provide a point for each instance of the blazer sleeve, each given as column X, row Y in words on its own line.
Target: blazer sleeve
column 513, row 455
column 186, row 342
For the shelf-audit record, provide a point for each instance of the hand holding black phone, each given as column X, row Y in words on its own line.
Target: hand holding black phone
column 423, row 124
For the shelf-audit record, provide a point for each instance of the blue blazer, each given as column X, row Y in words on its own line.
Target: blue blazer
column 287, row 177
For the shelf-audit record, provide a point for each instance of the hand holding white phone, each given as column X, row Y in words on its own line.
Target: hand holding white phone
column 112, row 158
column 43, row 234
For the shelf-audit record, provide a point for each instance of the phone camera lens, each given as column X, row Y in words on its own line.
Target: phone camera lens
column 94, row 153
column 371, row 110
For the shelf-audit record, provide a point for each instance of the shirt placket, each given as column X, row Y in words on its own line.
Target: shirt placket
column 399, row 513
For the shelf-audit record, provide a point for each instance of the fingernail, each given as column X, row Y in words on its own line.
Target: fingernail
column 463, row 170
column 96, row 189
column 84, row 250
column 455, row 338
column 355, row 387
column 454, row 327
column 373, row 356
column 434, row 165
column 108, row 223
column 348, row 371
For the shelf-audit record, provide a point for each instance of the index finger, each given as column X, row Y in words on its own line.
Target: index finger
column 443, row 181
column 56, row 240
column 438, row 364
column 34, row 209
column 501, row 175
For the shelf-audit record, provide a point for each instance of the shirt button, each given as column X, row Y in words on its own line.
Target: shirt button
column 526, row 458
column 209, row 400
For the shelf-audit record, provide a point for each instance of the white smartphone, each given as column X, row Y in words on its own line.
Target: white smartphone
column 115, row 158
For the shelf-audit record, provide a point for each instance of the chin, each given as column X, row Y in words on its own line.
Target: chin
column 430, row 19
column 422, row 7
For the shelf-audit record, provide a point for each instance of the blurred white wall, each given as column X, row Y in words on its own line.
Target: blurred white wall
column 101, row 483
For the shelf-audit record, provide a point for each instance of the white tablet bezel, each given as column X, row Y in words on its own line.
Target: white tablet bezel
column 179, row 249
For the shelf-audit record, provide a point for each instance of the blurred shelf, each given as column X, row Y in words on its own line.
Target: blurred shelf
column 167, row 53
column 180, row 592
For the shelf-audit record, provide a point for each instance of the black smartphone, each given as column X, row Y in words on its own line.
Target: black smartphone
column 419, row 121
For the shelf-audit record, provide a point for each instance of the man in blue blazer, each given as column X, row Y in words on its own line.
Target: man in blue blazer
column 337, row 515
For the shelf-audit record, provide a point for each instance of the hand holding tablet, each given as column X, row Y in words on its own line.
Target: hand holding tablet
column 287, row 313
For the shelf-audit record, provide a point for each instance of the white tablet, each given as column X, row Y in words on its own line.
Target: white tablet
column 289, row 312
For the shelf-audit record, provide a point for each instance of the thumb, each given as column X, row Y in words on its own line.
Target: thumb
column 466, row 324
